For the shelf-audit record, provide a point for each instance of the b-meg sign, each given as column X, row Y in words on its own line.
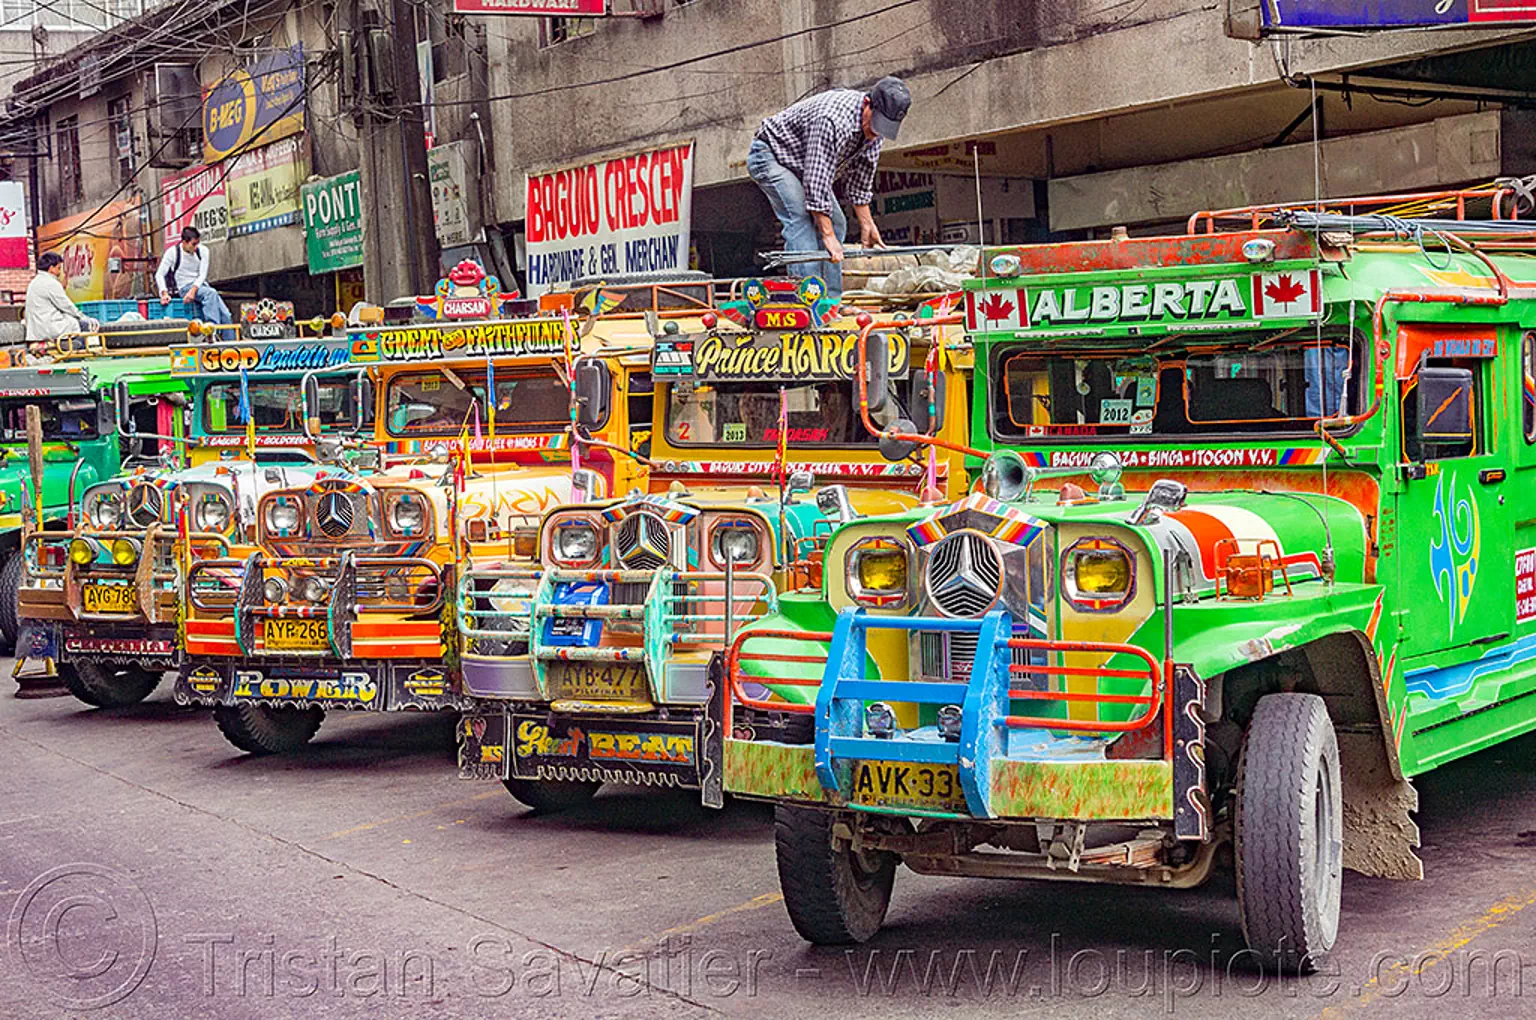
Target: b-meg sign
column 629, row 214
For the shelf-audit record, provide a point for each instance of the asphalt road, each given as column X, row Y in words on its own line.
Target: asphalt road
column 149, row 870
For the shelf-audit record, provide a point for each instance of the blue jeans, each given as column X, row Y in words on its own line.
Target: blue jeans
column 211, row 307
column 787, row 196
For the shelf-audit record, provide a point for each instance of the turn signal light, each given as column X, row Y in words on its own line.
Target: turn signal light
column 125, row 552
column 82, row 551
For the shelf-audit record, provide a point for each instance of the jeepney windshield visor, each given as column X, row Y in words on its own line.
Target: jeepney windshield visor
column 1254, row 383
column 445, row 401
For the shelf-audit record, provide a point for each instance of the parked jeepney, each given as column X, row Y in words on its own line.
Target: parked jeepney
column 1225, row 582
column 104, row 591
column 613, row 672
column 339, row 601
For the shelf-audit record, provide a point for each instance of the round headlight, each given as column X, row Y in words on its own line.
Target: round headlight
column 105, row 510
column 407, row 515
column 82, row 551
column 282, row 517
column 740, row 544
column 575, row 543
column 212, row 513
column 313, row 589
column 125, row 552
column 274, row 589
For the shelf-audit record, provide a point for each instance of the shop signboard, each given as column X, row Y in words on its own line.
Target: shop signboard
column 535, row 8
column 13, row 226
column 254, row 105
column 1358, row 15
column 195, row 198
column 628, row 214
column 263, row 187
column 450, row 202
column 333, row 223
column 98, row 248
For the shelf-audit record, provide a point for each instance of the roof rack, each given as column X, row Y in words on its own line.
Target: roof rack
column 1507, row 198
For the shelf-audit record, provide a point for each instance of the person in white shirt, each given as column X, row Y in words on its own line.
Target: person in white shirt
column 184, row 271
column 49, row 312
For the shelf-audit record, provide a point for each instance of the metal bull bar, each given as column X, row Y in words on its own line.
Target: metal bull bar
column 146, row 579
column 985, row 699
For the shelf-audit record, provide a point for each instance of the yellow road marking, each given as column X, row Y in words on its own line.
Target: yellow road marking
column 1438, row 953
column 755, row 903
column 419, row 814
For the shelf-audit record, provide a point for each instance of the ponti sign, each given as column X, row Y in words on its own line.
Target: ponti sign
column 630, row 214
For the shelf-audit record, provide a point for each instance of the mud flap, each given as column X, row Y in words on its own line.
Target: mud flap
column 1191, row 800
column 1379, row 833
column 712, row 738
column 483, row 745
column 426, row 686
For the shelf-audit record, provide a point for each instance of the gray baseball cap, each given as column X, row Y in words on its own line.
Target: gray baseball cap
column 888, row 102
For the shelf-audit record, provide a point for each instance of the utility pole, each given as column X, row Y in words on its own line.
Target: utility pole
column 382, row 89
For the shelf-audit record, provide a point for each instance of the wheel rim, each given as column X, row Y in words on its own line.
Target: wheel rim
column 1327, row 854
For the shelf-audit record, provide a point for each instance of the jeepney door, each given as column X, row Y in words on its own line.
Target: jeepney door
column 1455, row 541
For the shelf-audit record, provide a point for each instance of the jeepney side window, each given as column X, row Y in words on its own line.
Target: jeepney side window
column 822, row 413
column 642, row 395
column 1453, row 412
column 1528, row 387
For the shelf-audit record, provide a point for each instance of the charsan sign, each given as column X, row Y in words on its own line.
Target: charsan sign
column 1183, row 305
column 629, row 214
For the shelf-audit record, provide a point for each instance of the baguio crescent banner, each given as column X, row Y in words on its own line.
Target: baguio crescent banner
column 195, row 198
column 333, row 223
column 1355, row 15
column 535, row 8
column 265, row 99
column 473, row 340
column 630, row 214
column 789, row 357
column 1190, row 305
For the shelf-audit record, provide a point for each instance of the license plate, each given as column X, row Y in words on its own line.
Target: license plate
column 296, row 635
column 599, row 681
column 111, row 598
column 901, row 784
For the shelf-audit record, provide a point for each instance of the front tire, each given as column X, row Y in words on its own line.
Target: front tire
column 103, row 686
column 835, row 896
column 10, row 606
column 264, row 729
column 551, row 797
column 1290, row 832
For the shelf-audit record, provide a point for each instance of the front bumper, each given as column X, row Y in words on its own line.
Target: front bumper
column 397, row 686
column 65, row 593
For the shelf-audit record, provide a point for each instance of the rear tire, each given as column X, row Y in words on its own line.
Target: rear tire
column 105, row 686
column 835, row 897
column 10, row 607
column 264, row 729
column 1290, row 832
column 551, row 797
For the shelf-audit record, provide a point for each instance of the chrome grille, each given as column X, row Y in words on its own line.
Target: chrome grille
column 334, row 514
column 146, row 504
column 944, row 656
column 964, row 575
column 642, row 542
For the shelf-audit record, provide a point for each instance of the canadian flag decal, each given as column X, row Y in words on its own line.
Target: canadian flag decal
column 1277, row 295
column 990, row 310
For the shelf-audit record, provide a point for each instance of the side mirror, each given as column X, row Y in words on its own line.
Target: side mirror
column 120, row 401
column 362, row 402
column 1445, row 407
column 927, row 391
column 877, row 370
column 898, row 449
column 410, row 414
column 593, row 385
column 800, row 481
column 311, row 406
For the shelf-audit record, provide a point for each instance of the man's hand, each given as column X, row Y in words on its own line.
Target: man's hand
column 834, row 248
column 191, row 294
column 869, row 234
column 165, row 297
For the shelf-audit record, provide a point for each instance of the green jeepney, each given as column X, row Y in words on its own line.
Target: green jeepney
column 1251, row 553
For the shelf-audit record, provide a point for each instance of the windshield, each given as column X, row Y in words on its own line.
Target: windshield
column 1268, row 384
column 63, row 417
column 748, row 414
column 444, row 401
column 276, row 405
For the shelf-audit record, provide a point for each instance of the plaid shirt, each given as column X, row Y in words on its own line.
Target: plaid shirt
column 821, row 140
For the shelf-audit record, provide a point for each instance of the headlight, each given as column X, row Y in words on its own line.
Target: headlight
column 212, row 512
column 313, row 589
column 1098, row 574
column 575, row 543
column 104, row 509
column 83, row 551
column 274, row 589
column 735, row 540
column 282, row 517
column 878, row 570
column 407, row 515
column 125, row 551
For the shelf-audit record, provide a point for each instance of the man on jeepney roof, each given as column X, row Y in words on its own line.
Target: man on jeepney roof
column 801, row 154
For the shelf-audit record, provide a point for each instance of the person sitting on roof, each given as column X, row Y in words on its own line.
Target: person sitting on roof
column 49, row 312
column 184, row 271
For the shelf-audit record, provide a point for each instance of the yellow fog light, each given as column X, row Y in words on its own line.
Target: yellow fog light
column 82, row 551
column 878, row 570
column 125, row 552
column 1099, row 574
